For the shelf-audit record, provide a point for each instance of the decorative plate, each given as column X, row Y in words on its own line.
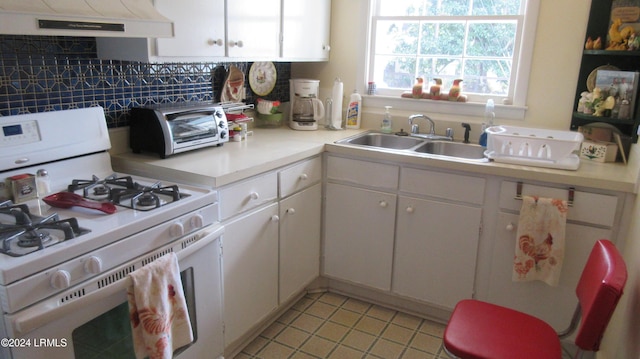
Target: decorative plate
column 591, row 79
column 262, row 78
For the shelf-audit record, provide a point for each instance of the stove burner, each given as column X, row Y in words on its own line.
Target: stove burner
column 101, row 187
column 148, row 199
column 22, row 232
column 145, row 197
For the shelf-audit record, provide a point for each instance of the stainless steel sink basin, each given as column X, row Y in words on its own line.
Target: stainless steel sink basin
column 383, row 140
column 452, row 149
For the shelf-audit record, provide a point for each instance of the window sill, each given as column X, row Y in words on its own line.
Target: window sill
column 510, row 112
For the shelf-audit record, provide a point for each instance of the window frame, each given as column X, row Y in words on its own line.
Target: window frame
column 513, row 107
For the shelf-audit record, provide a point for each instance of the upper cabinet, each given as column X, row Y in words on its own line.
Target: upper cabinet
column 592, row 59
column 306, row 30
column 236, row 30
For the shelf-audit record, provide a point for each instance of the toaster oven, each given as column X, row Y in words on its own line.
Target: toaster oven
column 167, row 129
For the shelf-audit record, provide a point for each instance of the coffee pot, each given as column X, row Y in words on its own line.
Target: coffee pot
column 306, row 109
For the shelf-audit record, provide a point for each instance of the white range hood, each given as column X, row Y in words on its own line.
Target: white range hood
column 103, row 18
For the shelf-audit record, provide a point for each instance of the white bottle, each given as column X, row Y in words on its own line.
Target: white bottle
column 385, row 126
column 354, row 111
column 336, row 113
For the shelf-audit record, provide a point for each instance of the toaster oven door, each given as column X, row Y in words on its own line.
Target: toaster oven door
column 193, row 127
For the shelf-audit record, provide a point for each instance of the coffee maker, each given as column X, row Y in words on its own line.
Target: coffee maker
column 306, row 109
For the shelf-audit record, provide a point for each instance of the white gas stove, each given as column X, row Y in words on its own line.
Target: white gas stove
column 49, row 254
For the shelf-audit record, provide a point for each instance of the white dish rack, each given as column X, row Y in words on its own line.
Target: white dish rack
column 534, row 147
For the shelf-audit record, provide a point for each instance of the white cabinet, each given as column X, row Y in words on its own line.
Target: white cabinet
column 592, row 217
column 306, row 30
column 250, row 269
column 359, row 227
column 299, row 240
column 253, row 28
column 233, row 29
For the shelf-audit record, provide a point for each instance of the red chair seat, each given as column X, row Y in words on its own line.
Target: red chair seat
column 479, row 330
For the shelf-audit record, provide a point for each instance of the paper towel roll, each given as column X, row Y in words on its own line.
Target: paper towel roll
column 336, row 112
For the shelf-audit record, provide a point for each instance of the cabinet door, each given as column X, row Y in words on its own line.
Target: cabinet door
column 436, row 249
column 554, row 305
column 198, row 28
column 250, row 262
column 253, row 28
column 359, row 235
column 299, row 240
column 305, row 29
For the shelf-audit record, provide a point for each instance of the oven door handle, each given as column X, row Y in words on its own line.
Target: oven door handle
column 45, row 312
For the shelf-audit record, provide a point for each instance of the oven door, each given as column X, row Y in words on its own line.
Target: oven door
column 97, row 325
column 193, row 130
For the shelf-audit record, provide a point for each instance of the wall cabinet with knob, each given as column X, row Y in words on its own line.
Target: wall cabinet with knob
column 268, row 30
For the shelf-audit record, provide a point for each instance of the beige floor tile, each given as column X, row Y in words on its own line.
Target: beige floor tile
column 345, row 317
column 359, row 340
column 407, row 320
column 387, row 349
column 381, row 313
column 318, row 346
column 303, row 304
column 435, row 329
column 289, row 316
column 427, row 343
column 356, row 305
column 255, row 346
column 411, row 353
column 307, row 322
column 275, row 350
column 292, row 337
column 321, row 310
column 398, row 334
column 243, row 356
column 273, row 330
column 332, row 331
column 301, row 355
column 333, row 299
column 342, row 352
column 371, row 325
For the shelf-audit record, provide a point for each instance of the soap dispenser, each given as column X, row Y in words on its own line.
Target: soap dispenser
column 385, row 127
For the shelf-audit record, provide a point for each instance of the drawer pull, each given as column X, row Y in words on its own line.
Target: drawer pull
column 304, row 177
column 510, row 227
column 410, row 209
column 383, row 204
column 254, row 195
column 291, row 211
column 275, row 218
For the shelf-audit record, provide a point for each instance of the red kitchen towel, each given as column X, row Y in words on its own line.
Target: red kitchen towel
column 540, row 240
column 157, row 309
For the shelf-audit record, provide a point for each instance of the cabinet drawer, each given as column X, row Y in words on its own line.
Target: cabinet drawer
column 364, row 173
column 300, row 176
column 443, row 185
column 248, row 194
column 594, row 208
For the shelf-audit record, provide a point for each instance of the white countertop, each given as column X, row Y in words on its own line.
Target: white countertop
column 269, row 149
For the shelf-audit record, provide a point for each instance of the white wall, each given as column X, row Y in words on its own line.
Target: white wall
column 556, row 60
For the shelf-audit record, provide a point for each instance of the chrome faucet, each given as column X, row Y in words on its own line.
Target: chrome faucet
column 415, row 129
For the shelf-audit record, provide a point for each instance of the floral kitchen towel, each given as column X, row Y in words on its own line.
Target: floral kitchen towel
column 540, row 240
column 157, row 308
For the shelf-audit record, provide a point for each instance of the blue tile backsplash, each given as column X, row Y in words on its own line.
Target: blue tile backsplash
column 49, row 73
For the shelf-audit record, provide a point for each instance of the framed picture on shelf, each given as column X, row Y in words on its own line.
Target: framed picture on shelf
column 624, row 25
column 618, row 91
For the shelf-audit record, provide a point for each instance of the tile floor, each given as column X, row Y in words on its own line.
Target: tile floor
column 329, row 325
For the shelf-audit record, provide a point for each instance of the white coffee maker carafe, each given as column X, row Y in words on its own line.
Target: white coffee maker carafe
column 306, row 109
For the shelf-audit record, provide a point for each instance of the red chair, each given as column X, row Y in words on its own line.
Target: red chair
column 479, row 330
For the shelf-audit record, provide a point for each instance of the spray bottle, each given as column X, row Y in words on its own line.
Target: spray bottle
column 385, row 126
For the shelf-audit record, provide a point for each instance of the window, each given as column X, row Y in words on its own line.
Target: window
column 486, row 43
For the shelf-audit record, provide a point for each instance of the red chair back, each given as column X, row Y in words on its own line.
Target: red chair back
column 599, row 290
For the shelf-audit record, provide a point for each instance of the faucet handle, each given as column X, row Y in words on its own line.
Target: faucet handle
column 449, row 132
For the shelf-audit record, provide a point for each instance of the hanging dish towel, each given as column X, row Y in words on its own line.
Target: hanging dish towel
column 157, row 309
column 540, row 240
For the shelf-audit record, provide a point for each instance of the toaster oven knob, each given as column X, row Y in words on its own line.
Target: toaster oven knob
column 176, row 230
column 93, row 265
column 223, row 134
column 218, row 114
column 197, row 221
column 60, row 279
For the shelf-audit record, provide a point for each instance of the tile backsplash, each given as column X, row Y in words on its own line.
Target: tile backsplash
column 49, row 73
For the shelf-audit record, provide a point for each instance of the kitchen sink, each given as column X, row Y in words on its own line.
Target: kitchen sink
column 383, row 140
column 416, row 145
column 452, row 149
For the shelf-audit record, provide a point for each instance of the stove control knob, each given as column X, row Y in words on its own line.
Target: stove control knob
column 93, row 265
column 197, row 221
column 60, row 279
column 176, row 230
